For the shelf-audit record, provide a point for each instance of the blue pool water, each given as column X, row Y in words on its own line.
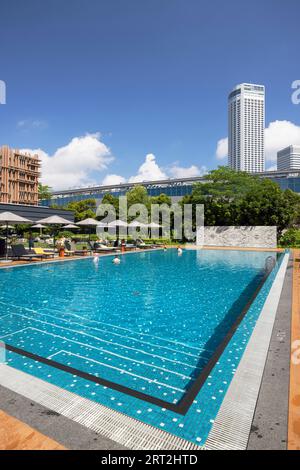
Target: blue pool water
column 150, row 324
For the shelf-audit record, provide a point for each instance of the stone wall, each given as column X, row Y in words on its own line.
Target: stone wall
column 247, row 237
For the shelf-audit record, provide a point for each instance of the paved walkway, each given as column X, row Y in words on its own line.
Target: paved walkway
column 16, row 435
column 294, row 398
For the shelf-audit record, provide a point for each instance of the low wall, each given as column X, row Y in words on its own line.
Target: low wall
column 246, row 237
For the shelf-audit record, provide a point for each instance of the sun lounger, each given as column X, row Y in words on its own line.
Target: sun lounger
column 100, row 248
column 20, row 252
column 41, row 251
column 77, row 252
column 69, row 252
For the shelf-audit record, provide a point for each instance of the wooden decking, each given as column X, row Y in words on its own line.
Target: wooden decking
column 16, row 435
column 294, row 397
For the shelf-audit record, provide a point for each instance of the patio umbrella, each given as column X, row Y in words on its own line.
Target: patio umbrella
column 135, row 223
column 40, row 226
column 11, row 218
column 118, row 223
column 140, row 225
column 70, row 226
column 89, row 222
column 54, row 220
column 153, row 225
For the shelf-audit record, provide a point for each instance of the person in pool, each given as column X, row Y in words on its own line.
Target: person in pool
column 116, row 260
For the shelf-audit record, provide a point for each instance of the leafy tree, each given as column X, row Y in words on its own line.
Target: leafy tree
column 137, row 195
column 226, row 183
column 161, row 199
column 57, row 206
column 268, row 205
column 44, row 191
column 112, row 200
column 238, row 198
column 83, row 209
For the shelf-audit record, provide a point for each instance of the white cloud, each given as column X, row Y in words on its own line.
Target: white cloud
column 278, row 135
column 222, row 148
column 75, row 163
column 78, row 164
column 148, row 171
column 27, row 124
column 189, row 172
column 151, row 171
column 112, row 179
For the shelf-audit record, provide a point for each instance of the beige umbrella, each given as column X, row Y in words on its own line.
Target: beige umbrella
column 136, row 223
column 11, row 218
column 40, row 226
column 89, row 222
column 72, row 226
column 118, row 223
column 54, row 220
column 153, row 225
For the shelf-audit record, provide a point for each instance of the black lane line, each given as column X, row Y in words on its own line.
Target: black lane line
column 183, row 405
column 93, row 378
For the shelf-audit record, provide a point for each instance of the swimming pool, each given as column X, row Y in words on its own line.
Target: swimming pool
column 158, row 337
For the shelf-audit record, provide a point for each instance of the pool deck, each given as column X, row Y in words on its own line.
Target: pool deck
column 294, row 397
column 15, row 434
column 276, row 421
column 270, row 422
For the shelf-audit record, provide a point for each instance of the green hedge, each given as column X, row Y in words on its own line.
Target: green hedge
column 290, row 239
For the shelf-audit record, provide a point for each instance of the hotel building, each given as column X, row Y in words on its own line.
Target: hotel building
column 19, row 173
column 289, row 158
column 246, row 118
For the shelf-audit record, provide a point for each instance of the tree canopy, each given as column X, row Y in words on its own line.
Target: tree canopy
column 44, row 191
column 83, row 209
column 239, row 198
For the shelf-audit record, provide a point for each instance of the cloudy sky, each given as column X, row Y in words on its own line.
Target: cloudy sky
column 115, row 90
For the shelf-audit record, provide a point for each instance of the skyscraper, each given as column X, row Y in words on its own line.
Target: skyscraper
column 246, row 116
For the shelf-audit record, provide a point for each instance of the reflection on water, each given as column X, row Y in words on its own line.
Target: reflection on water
column 235, row 259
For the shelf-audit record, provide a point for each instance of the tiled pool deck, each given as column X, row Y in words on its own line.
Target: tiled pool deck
column 294, row 398
column 153, row 438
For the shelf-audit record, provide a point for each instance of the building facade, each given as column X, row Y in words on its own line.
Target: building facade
column 246, row 126
column 19, row 175
column 175, row 188
column 289, row 158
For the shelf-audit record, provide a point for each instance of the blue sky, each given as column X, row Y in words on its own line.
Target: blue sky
column 151, row 76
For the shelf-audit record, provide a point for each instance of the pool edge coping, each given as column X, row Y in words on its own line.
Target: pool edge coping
column 232, row 426
column 111, row 424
